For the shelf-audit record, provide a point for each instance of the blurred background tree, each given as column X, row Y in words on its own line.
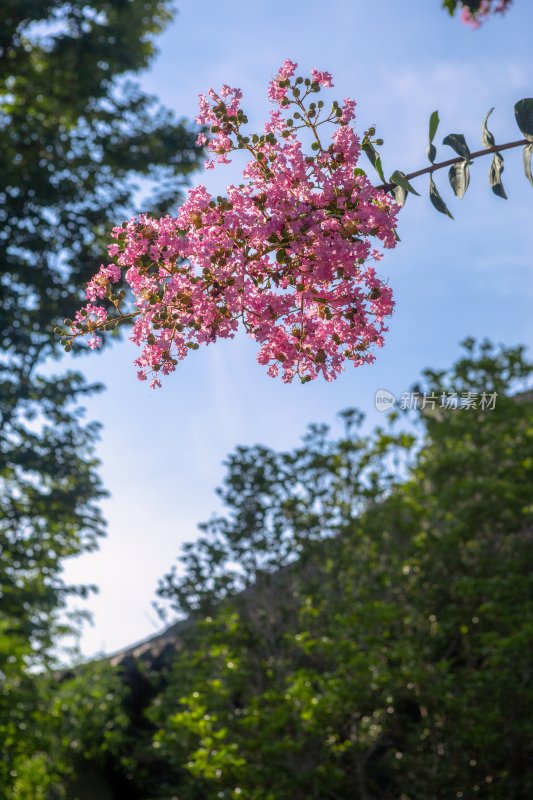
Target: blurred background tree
column 356, row 623
column 76, row 134
column 390, row 660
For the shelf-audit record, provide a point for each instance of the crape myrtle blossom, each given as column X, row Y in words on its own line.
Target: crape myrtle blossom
column 290, row 253
column 475, row 13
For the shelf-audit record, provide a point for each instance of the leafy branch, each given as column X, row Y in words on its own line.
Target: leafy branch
column 459, row 167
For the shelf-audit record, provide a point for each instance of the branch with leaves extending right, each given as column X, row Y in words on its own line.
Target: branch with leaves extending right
column 399, row 183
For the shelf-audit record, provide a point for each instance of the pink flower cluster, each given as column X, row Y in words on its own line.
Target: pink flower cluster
column 289, row 253
column 475, row 17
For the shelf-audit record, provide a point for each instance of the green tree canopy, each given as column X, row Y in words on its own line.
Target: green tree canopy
column 77, row 137
column 359, row 621
column 390, row 660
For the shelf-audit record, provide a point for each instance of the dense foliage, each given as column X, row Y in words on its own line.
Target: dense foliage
column 392, row 660
column 75, row 133
column 361, row 616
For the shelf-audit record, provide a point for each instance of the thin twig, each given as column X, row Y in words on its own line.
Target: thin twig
column 433, row 167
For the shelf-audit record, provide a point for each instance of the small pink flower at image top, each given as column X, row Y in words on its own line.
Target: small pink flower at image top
column 476, row 12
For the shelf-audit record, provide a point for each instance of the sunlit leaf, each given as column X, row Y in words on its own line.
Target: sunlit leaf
column 374, row 158
column 486, row 136
column 459, row 175
column 400, row 195
column 433, row 125
column 399, row 179
column 496, row 169
column 528, row 152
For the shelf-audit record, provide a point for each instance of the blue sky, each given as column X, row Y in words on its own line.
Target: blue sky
column 162, row 451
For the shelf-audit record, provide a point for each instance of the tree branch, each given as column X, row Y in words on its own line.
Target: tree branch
column 434, row 167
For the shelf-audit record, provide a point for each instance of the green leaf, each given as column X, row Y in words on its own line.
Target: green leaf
column 524, row 117
column 459, row 175
column 436, row 199
column 495, row 173
column 458, row 143
column 399, row 179
column 379, row 168
column 450, row 6
column 431, row 150
column 486, row 136
column 400, row 195
column 528, row 152
column 433, row 125
column 374, row 158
